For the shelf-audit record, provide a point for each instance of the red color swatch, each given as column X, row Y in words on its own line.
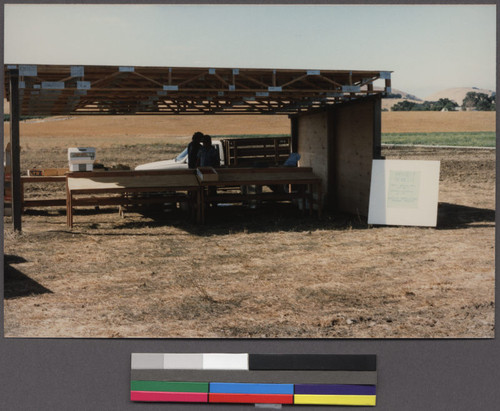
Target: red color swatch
column 155, row 396
column 251, row 398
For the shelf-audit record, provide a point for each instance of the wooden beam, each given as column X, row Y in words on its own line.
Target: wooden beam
column 15, row 176
column 254, row 80
column 294, row 81
column 147, row 78
column 329, row 80
column 106, row 78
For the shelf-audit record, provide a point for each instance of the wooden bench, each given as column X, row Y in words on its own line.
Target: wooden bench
column 175, row 185
column 45, row 202
column 306, row 182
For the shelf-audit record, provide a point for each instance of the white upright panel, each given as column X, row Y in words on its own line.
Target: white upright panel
column 225, row 361
column 404, row 192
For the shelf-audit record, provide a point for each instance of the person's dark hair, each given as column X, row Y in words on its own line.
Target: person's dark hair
column 198, row 136
column 207, row 140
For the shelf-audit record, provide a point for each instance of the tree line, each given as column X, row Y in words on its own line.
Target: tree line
column 472, row 101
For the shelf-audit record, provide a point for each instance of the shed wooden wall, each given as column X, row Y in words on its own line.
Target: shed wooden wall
column 312, row 144
column 357, row 139
column 340, row 143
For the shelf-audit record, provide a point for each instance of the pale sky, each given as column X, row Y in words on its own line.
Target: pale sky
column 429, row 48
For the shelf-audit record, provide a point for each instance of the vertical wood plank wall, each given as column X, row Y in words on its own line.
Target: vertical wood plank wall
column 355, row 137
column 313, row 145
column 340, row 144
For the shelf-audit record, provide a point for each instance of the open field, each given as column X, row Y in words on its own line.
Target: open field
column 463, row 139
column 159, row 275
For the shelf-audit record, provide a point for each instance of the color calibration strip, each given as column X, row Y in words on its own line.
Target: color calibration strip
column 313, row 379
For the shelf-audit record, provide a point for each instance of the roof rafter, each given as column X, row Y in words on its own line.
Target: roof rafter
column 64, row 89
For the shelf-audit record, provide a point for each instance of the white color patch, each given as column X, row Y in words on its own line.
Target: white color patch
column 232, row 88
column 313, row 72
column 404, row 192
column 126, row 69
column 225, row 361
column 211, row 71
column 274, row 88
column 22, row 84
column 171, row 88
column 385, row 75
column 236, row 71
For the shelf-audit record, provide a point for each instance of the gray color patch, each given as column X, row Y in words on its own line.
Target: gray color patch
column 183, row 361
column 147, row 361
column 284, row 377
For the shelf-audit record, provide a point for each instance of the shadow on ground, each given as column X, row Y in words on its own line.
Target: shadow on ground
column 266, row 218
column 459, row 216
column 17, row 284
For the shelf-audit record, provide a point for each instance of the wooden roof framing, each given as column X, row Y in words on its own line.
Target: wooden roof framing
column 64, row 89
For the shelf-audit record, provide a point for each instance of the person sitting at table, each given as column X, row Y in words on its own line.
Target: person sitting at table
column 208, row 155
column 193, row 149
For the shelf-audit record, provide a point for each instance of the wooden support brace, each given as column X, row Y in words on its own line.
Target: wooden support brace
column 15, row 151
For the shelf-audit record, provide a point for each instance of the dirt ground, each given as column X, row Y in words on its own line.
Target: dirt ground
column 265, row 272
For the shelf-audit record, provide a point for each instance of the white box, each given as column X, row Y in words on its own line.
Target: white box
column 81, row 158
column 80, row 167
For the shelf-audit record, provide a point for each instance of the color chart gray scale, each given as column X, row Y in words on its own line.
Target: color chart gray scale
column 319, row 379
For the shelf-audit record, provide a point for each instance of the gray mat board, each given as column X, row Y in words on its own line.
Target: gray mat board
column 287, row 377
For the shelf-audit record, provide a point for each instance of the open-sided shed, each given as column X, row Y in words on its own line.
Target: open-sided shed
column 335, row 114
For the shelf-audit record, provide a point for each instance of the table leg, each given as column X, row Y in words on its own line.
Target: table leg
column 310, row 197
column 304, row 198
column 201, row 205
column 318, row 189
column 22, row 196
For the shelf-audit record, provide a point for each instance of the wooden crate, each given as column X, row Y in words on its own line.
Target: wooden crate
column 248, row 152
column 47, row 172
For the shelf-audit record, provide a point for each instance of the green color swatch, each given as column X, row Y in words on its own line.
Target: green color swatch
column 168, row 386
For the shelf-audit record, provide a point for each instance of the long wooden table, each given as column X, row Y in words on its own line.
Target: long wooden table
column 303, row 177
column 177, row 186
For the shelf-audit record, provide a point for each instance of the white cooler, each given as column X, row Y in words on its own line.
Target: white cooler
column 81, row 158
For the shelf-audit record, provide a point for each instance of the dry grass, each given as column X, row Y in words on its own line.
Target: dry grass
column 436, row 121
column 268, row 272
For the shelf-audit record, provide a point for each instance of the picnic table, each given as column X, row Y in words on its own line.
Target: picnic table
column 175, row 185
column 304, row 181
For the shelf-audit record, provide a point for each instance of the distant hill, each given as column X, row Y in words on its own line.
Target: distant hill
column 387, row 102
column 457, row 94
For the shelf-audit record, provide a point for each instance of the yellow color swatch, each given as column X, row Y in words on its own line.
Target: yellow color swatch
column 335, row 399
